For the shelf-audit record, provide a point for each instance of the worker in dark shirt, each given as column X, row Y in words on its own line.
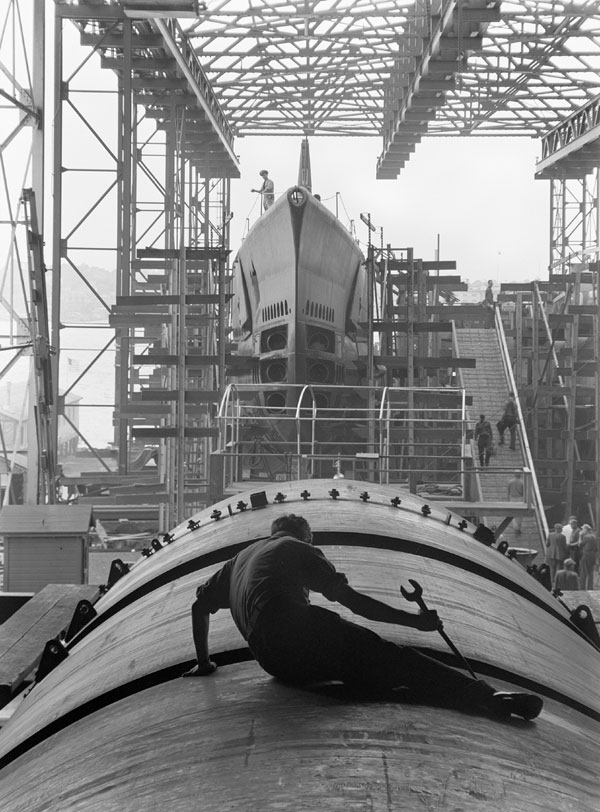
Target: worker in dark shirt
column 509, row 420
column 483, row 437
column 489, row 305
column 266, row 588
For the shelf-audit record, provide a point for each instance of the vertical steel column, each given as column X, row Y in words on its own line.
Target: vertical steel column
column 563, row 219
column 221, row 323
column 519, row 338
column 410, row 318
column 558, row 216
column 410, row 364
column 37, row 180
column 370, row 358
column 596, row 339
column 573, row 332
column 535, row 364
column 57, row 243
column 168, row 448
column 596, row 201
column 124, row 217
column 422, row 337
column 38, row 87
column 180, row 315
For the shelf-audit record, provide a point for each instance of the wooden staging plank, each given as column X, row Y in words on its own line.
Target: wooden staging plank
column 24, row 635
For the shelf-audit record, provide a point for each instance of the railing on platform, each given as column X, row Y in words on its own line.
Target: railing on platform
column 415, row 437
column 536, row 497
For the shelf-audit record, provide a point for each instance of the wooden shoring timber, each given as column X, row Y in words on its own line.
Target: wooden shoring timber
column 162, row 300
column 426, row 362
column 431, row 282
column 155, row 409
column 190, row 395
column 168, row 359
column 187, row 254
column 136, row 319
column 23, row 636
column 427, row 265
column 161, row 432
column 144, row 500
column 393, row 326
column 565, row 434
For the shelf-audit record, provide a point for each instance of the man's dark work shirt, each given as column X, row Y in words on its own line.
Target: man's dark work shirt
column 281, row 568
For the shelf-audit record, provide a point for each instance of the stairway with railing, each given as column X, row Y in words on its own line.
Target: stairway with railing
column 489, row 385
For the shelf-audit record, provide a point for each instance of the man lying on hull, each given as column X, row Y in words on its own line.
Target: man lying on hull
column 266, row 588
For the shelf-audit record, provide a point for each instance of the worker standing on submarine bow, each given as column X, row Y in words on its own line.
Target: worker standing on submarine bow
column 267, row 190
column 266, row 588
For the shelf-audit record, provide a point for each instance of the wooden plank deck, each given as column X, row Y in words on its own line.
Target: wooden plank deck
column 24, row 635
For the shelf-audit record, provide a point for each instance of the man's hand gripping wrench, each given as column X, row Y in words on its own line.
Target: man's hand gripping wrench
column 417, row 595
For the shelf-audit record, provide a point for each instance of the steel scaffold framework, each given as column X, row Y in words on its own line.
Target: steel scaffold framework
column 571, row 161
column 164, row 188
column 574, row 215
column 554, row 330
column 330, row 67
column 352, row 68
column 21, row 166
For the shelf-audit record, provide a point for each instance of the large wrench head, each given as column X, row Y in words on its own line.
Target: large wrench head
column 416, row 593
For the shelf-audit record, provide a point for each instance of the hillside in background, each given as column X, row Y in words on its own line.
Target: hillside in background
column 79, row 302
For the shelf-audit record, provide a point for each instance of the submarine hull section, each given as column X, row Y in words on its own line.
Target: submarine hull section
column 114, row 727
column 300, row 298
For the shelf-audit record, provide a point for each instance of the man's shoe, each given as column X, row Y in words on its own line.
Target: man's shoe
column 504, row 703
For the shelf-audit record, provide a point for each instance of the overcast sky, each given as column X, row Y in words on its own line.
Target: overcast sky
column 478, row 194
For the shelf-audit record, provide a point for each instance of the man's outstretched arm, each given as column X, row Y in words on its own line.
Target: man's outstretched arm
column 373, row 609
column 200, row 625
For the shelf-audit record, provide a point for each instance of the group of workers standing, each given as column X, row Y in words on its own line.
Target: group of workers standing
column 571, row 551
column 572, row 554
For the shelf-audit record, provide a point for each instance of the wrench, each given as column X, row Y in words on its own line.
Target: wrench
column 417, row 595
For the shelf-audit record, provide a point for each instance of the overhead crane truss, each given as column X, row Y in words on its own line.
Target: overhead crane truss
column 399, row 71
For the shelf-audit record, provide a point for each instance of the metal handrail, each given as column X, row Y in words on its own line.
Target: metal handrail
column 537, row 497
column 233, row 406
column 456, row 354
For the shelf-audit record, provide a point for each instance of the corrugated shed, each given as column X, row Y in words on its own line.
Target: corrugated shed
column 30, row 564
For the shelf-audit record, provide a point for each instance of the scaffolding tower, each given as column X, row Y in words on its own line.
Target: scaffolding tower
column 162, row 180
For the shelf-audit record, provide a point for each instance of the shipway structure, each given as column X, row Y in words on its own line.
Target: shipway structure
column 312, row 379
column 108, row 722
column 186, row 88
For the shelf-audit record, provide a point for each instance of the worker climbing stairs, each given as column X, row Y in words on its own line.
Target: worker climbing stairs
column 489, row 390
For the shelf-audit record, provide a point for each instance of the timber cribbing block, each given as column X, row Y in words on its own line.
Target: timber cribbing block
column 24, row 635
